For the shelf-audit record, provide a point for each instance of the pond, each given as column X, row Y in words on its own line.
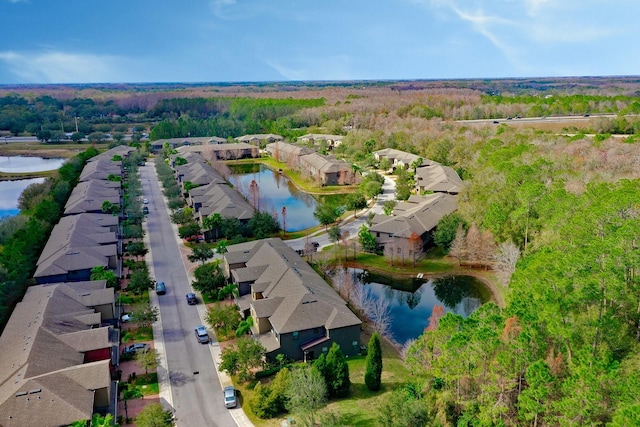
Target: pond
column 28, row 164
column 277, row 191
column 411, row 301
column 10, row 192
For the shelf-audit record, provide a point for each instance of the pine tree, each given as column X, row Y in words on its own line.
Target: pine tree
column 337, row 372
column 373, row 372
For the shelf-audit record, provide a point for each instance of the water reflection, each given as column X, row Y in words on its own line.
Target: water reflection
column 28, row 164
column 411, row 300
column 275, row 192
column 10, row 192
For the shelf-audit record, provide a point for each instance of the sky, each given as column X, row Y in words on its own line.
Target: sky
column 196, row 41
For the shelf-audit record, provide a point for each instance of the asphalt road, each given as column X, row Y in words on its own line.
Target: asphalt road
column 195, row 388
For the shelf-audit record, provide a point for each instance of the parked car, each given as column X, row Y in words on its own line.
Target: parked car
column 195, row 238
column 191, row 299
column 126, row 317
column 134, row 348
column 161, row 288
column 230, row 400
column 145, row 201
column 145, row 210
column 202, row 335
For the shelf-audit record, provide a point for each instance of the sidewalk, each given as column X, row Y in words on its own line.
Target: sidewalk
column 166, row 398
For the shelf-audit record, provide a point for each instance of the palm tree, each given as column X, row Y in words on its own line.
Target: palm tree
column 212, row 222
column 227, row 290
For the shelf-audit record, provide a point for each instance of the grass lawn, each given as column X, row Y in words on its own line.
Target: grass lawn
column 148, row 384
column 137, row 334
column 360, row 407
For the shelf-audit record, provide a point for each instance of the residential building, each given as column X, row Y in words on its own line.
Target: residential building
column 331, row 141
column 56, row 353
column 438, row 179
column 295, row 312
column 400, row 159
column 77, row 244
column 224, row 151
column 418, row 216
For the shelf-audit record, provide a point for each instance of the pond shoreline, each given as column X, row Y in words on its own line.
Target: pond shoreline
column 497, row 294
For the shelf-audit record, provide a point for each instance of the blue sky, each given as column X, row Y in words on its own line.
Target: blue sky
column 113, row 41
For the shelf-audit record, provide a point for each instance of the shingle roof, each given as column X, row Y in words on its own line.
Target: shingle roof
column 43, row 380
column 88, row 196
column 419, row 218
column 439, row 178
column 259, row 137
column 77, row 242
column 300, row 298
column 100, row 169
column 223, row 200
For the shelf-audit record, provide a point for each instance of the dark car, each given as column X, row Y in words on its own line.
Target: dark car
column 230, row 400
column 191, row 299
column 145, row 210
column 161, row 288
column 202, row 335
column 134, row 348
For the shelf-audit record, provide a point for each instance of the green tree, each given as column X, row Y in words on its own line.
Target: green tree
column 307, row 393
column 129, row 392
column 385, row 164
column 271, row 400
column 189, row 229
column 137, row 249
column 213, row 222
column 263, row 224
column 102, row 421
column 335, row 370
column 355, row 202
column 373, row 370
column 366, row 239
column 532, row 401
column 108, row 207
column 200, row 253
column 446, row 230
column 240, row 358
column 388, row 206
column 404, row 184
column 224, row 318
column 326, row 214
column 334, row 236
column 404, row 407
column 140, row 282
column 102, row 273
column 147, row 359
column 154, row 415
column 209, row 278
column 144, row 315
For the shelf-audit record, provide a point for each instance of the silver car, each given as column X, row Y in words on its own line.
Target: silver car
column 230, row 400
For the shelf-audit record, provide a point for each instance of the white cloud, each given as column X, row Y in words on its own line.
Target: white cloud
column 313, row 68
column 221, row 8
column 53, row 66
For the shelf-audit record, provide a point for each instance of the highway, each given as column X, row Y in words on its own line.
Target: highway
column 195, row 390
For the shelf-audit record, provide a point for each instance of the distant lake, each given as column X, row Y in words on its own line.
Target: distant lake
column 28, row 164
column 411, row 300
column 277, row 191
column 9, row 193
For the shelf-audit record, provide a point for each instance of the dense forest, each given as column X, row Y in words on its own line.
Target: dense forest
column 564, row 348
